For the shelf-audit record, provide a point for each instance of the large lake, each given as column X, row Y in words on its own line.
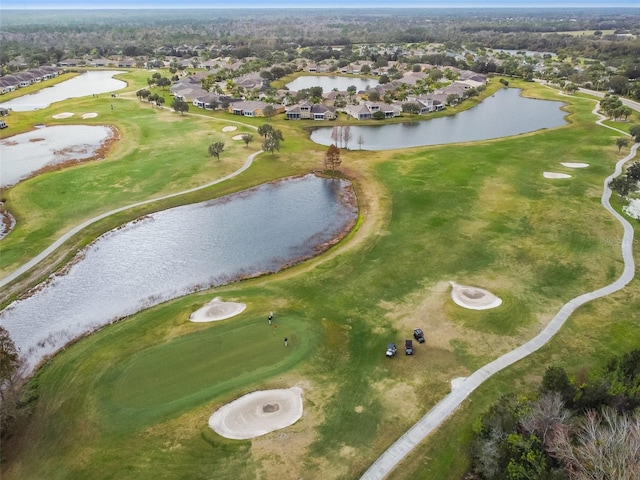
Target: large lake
column 178, row 251
column 88, row 83
column 329, row 83
column 24, row 154
column 502, row 115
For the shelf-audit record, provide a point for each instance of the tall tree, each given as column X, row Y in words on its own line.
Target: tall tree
column 346, row 136
column 622, row 142
column 332, row 158
column 180, row 106
column 10, row 377
column 247, row 138
column 215, row 149
column 269, row 111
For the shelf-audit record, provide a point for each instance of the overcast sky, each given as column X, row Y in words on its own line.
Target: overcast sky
column 159, row 4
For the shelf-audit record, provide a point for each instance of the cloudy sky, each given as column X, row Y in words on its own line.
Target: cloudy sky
column 157, row 4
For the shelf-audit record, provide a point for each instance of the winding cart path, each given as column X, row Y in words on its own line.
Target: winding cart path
column 51, row 248
column 443, row 409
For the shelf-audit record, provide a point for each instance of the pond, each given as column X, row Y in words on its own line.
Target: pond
column 88, row 83
column 23, row 155
column 329, row 83
column 502, row 115
column 178, row 251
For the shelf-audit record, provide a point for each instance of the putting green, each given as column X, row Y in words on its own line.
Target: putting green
column 168, row 378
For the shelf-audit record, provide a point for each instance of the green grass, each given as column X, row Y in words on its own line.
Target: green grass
column 132, row 400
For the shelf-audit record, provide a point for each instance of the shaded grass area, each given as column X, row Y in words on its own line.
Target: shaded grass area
column 132, row 400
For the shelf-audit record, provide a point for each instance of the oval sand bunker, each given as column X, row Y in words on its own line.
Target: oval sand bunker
column 574, row 164
column 58, row 116
column 258, row 413
column 229, row 128
column 473, row 298
column 556, row 175
column 216, row 310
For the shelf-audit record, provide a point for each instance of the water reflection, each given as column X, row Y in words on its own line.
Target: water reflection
column 504, row 114
column 22, row 155
column 180, row 250
column 89, row 83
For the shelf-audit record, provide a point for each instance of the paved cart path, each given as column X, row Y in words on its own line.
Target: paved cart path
column 443, row 409
column 51, row 248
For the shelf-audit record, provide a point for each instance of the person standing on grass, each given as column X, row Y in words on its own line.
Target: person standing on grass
column 270, row 317
column 286, row 342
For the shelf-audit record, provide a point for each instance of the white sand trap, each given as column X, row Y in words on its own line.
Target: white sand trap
column 473, row 298
column 58, row 116
column 258, row 413
column 216, row 310
column 229, row 128
column 574, row 164
column 89, row 115
column 237, row 137
column 556, row 175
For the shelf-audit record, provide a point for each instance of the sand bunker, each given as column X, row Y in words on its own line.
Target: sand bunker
column 58, row 116
column 556, row 175
column 229, row 128
column 237, row 137
column 574, row 164
column 258, row 413
column 216, row 310
column 89, row 115
column 473, row 298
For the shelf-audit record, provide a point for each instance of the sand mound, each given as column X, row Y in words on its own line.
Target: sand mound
column 473, row 298
column 556, row 175
column 258, row 413
column 89, row 115
column 574, row 164
column 217, row 310
column 58, row 116
column 237, row 137
column 229, row 128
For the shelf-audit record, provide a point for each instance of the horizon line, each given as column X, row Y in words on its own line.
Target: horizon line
column 333, row 7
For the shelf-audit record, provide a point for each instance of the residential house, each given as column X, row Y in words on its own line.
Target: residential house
column 254, row 108
column 210, row 100
column 308, row 110
column 69, row 62
column 127, row 62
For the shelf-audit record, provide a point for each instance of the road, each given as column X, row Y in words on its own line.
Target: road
column 445, row 407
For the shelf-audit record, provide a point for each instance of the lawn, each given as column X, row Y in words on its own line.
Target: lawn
column 132, row 401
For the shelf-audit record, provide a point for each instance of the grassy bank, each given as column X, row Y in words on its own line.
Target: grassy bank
column 132, row 401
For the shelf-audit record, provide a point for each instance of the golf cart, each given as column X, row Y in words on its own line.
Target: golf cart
column 391, row 350
column 408, row 347
column 418, row 334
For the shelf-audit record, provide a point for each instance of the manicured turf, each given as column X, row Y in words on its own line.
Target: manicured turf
column 132, row 400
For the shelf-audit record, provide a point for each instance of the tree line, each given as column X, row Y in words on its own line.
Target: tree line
column 581, row 428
